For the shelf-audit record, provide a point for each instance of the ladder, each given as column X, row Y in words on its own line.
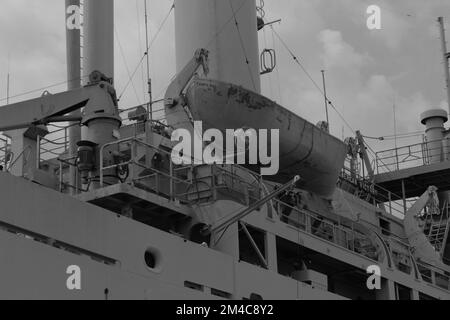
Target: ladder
column 439, row 230
column 437, row 235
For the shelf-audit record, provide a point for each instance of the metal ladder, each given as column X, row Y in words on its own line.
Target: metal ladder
column 439, row 230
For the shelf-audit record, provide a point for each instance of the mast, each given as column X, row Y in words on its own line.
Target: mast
column 326, row 98
column 98, row 46
column 7, row 88
column 149, row 80
column 446, row 56
column 73, row 56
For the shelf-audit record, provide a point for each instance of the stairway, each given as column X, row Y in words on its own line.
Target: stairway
column 437, row 234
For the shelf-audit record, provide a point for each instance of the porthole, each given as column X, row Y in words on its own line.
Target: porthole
column 150, row 259
column 153, row 259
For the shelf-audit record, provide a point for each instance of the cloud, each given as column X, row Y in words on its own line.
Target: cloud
column 365, row 69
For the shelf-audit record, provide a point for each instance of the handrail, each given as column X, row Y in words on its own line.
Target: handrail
column 351, row 235
column 377, row 192
column 21, row 154
column 416, row 155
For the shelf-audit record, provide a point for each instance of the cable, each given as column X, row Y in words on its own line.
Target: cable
column 297, row 61
column 42, row 89
column 270, row 74
column 242, row 45
column 277, row 69
column 147, row 50
column 141, row 47
column 126, row 64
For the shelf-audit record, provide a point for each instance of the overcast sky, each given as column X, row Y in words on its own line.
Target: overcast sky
column 366, row 70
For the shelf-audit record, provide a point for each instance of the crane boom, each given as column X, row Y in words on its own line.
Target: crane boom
column 97, row 99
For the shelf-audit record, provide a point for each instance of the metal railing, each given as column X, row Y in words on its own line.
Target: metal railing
column 367, row 190
column 416, row 155
column 434, row 276
column 163, row 180
column 4, row 152
column 346, row 237
column 54, row 144
column 183, row 183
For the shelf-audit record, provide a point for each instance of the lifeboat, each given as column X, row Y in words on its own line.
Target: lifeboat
column 305, row 149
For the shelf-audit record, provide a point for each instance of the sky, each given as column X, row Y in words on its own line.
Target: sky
column 367, row 71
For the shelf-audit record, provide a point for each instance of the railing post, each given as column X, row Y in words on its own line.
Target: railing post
column 390, row 202
column 172, row 186
column 396, row 159
column 60, row 176
column 38, row 153
column 101, row 166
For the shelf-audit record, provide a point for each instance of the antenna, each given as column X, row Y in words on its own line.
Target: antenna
column 326, row 97
column 150, row 103
column 395, row 123
column 8, row 80
column 446, row 56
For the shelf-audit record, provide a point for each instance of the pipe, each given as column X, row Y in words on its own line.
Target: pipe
column 73, row 57
column 98, row 38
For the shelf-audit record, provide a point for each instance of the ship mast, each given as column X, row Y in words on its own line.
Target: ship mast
column 446, row 56
column 73, row 56
column 147, row 53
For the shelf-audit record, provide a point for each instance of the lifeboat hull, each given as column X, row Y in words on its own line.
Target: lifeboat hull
column 305, row 149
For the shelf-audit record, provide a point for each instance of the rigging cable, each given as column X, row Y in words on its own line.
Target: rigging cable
column 270, row 74
column 277, row 69
column 242, row 45
column 147, row 49
column 141, row 47
column 149, row 81
column 43, row 88
column 126, row 65
column 208, row 45
column 297, row 61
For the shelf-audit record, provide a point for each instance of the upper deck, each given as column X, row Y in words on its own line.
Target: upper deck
column 409, row 170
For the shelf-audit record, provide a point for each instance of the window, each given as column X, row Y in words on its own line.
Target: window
column 247, row 252
column 221, row 294
column 403, row 293
column 194, row 286
column 424, row 297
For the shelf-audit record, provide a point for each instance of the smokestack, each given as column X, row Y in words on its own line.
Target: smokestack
column 233, row 49
column 434, row 121
column 73, row 55
column 98, row 46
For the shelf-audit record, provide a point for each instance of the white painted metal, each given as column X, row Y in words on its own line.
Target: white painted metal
column 98, row 43
column 434, row 121
column 446, row 56
column 210, row 24
column 73, row 54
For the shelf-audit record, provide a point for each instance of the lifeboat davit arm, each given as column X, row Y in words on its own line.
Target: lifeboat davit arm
column 181, row 81
column 173, row 101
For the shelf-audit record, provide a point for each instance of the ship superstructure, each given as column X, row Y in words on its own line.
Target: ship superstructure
column 103, row 193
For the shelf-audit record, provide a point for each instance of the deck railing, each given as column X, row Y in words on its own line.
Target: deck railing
column 315, row 224
column 3, row 152
column 416, row 155
column 369, row 191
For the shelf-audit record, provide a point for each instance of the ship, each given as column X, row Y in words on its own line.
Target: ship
column 93, row 207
